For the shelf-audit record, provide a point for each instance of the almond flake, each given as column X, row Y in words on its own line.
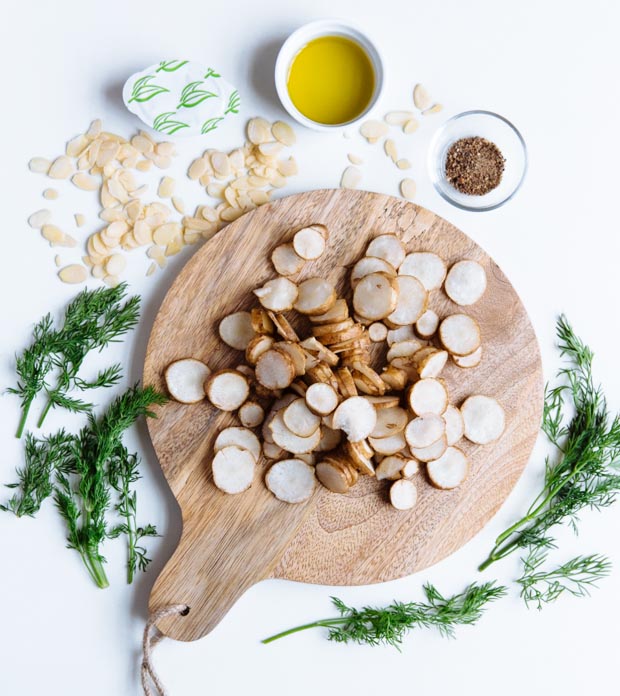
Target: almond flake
column 61, row 168
column 208, row 213
column 215, row 190
column 270, row 149
column 351, row 178
column 97, row 271
column 116, row 264
column 166, row 187
column 411, row 126
column 197, row 168
column 57, row 261
column 283, row 133
column 76, row 146
column 142, row 232
column 220, row 163
column 39, row 165
column 178, row 204
column 191, row 237
column 175, row 246
column 230, row 214
column 354, row 159
column 237, row 159
column 117, row 229
column 259, row 131
column 165, row 149
column 142, row 144
column 94, row 129
column 373, row 130
column 157, row 254
column 403, row 164
column 40, row 218
column 421, row 97
column 408, row 188
column 68, row 241
column 390, row 149
column 111, row 280
column 164, row 234
column 435, row 109
column 73, row 274
column 258, row 197
column 54, row 235
column 288, row 167
column 144, row 165
column 50, row 194
column 85, row 182
column 151, row 269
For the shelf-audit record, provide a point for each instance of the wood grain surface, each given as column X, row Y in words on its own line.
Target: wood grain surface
column 231, row 542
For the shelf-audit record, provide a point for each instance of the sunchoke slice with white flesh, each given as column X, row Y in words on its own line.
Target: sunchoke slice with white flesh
column 377, row 332
column 403, row 349
column 428, row 396
column 251, row 414
column 449, row 470
column 330, row 439
column 368, row 265
column 272, row 451
column 239, row 437
column 403, row 494
column 299, row 419
column 233, row 469
column 296, row 353
column 410, row 469
column 427, row 267
column 227, row 389
column 332, row 476
column 236, row 330
column 459, row 334
column 278, row 295
column 290, row 442
column 309, row 243
column 315, row 296
column 402, row 333
column 388, row 445
column 427, row 324
column 430, row 362
column 275, row 369
column 283, row 326
column 412, row 301
column 321, row 398
column 389, row 422
column 454, row 424
column 291, row 480
column 484, row 419
column 379, row 402
column 388, row 247
column 434, row 451
column 472, row 360
column 466, row 282
column 338, row 312
column 286, row 261
column 390, row 468
column 257, row 346
column 185, row 380
column 425, row 430
column 375, row 296
column 356, row 417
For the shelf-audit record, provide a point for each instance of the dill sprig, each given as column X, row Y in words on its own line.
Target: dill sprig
column 94, row 319
column 583, row 474
column 77, row 470
column 388, row 625
column 122, row 472
column 576, row 577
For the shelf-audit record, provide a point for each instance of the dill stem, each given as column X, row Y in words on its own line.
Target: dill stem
column 48, row 405
column 22, row 420
column 304, row 627
column 94, row 568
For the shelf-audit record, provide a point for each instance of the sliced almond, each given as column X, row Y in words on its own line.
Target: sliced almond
column 259, row 131
column 50, row 194
column 39, row 165
column 74, row 273
column 421, row 97
column 398, row 118
column 408, row 189
column 282, row 132
column 373, row 130
column 166, row 187
column 54, row 235
column 61, row 168
column 389, row 146
column 354, row 159
column 351, row 178
column 40, row 218
column 115, row 264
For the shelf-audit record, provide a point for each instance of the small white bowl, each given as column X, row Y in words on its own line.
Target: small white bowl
column 298, row 39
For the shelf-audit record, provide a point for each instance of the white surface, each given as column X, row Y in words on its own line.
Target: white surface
column 551, row 68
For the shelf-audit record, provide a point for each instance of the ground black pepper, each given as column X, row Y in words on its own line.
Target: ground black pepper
column 474, row 166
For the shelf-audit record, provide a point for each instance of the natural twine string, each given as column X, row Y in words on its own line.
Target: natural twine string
column 152, row 636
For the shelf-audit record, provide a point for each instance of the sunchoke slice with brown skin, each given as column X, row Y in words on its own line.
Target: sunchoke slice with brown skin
column 251, row 414
column 332, row 476
column 275, row 369
column 455, row 427
column 291, row 480
column 185, row 380
column 466, row 361
column 377, row 332
column 428, row 396
column 427, row 324
column 387, row 247
column 390, row 468
column 466, row 282
column 299, row 419
column 403, row 349
column 434, row 451
column 227, row 389
column 403, row 494
column 278, row 295
column 236, row 330
column 315, row 296
column 257, row 346
column 321, row 398
column 430, row 363
column 484, row 419
column 309, row 243
column 239, row 437
column 425, row 430
column 388, row 445
column 233, row 469
column 389, row 422
column 286, row 261
column 375, row 296
column 290, row 442
column 339, row 312
column 356, row 417
column 402, row 333
column 412, row 301
column 427, row 267
column 460, row 334
column 449, row 470
column 368, row 265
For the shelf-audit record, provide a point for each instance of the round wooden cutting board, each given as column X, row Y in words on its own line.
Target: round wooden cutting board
column 230, row 542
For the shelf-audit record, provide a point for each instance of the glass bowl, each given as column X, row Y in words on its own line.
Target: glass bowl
column 487, row 125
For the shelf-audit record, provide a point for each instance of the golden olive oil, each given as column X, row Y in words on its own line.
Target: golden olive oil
column 331, row 80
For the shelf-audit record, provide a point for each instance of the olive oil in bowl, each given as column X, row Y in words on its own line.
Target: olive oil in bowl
column 331, row 80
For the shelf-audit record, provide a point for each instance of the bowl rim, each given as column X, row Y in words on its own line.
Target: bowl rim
column 312, row 30
column 431, row 159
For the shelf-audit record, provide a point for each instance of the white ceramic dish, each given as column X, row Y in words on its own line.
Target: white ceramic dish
column 298, row 39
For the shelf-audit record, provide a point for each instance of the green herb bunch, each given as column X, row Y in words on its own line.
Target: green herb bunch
column 93, row 320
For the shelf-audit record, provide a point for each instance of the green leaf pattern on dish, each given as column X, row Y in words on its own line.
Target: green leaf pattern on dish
column 164, row 124
column 143, row 91
column 191, row 95
column 171, row 65
column 181, row 96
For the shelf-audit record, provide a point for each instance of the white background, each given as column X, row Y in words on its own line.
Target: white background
column 551, row 68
